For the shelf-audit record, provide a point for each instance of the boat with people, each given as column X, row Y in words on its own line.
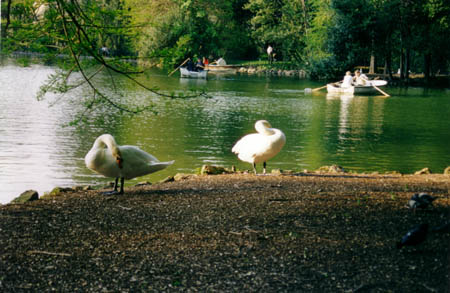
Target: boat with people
column 369, row 88
column 193, row 74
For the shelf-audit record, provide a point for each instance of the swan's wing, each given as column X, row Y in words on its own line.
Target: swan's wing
column 134, row 154
column 251, row 146
column 137, row 162
column 256, row 148
column 159, row 166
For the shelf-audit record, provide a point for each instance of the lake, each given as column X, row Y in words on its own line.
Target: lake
column 38, row 150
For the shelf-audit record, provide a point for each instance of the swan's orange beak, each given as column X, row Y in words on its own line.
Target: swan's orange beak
column 119, row 161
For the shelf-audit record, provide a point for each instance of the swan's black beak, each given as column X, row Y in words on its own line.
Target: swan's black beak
column 119, row 161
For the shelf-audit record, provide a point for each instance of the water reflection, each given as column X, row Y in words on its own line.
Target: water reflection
column 189, row 82
column 359, row 133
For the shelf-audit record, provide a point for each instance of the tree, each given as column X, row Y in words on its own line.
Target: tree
column 78, row 30
column 431, row 24
column 282, row 24
column 178, row 29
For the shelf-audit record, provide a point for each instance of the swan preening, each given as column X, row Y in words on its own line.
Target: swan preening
column 260, row 147
column 125, row 162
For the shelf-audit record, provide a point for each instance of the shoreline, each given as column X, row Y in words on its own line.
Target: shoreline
column 32, row 195
column 438, row 81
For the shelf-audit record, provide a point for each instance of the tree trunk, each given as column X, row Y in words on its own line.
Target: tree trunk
column 8, row 19
column 372, row 64
column 407, row 61
column 388, row 67
column 388, row 61
column 402, row 65
column 427, row 66
column 305, row 17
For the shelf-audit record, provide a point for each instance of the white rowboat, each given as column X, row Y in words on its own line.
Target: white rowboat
column 193, row 74
column 367, row 89
column 222, row 68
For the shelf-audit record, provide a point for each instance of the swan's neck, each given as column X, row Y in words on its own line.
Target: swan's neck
column 107, row 141
column 264, row 128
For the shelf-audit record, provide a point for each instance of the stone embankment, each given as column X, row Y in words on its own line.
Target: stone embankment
column 259, row 70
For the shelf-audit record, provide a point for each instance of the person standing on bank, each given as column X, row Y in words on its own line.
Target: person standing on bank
column 270, row 54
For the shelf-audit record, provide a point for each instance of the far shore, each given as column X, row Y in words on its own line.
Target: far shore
column 279, row 70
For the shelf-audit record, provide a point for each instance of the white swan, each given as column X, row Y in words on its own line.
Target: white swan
column 260, row 147
column 124, row 162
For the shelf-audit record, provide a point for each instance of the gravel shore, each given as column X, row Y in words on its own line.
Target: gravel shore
column 235, row 233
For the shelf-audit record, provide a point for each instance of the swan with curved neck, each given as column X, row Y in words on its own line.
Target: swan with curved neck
column 108, row 158
column 261, row 146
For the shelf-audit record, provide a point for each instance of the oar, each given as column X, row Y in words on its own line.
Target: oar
column 308, row 90
column 319, row 88
column 179, row 66
column 385, row 94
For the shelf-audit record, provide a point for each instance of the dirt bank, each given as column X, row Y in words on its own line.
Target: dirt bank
column 301, row 232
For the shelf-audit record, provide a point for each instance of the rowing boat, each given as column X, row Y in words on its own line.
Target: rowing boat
column 222, row 68
column 368, row 89
column 193, row 74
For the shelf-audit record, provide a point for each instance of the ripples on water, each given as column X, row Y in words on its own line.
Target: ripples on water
column 406, row 132
column 34, row 150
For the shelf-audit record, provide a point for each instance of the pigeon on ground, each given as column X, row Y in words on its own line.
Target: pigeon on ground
column 420, row 201
column 414, row 236
column 443, row 228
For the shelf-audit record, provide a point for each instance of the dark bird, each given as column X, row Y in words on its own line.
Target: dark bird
column 414, row 236
column 420, row 201
column 443, row 228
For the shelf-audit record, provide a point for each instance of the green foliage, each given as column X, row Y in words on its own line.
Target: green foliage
column 281, row 24
column 326, row 37
column 77, row 31
column 24, row 61
column 187, row 28
column 317, row 35
column 325, row 68
column 351, row 37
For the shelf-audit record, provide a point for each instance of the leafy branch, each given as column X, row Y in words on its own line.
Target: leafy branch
column 71, row 30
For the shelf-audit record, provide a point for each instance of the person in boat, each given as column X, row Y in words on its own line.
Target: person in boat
column 221, row 62
column 360, row 78
column 199, row 65
column 104, row 51
column 190, row 65
column 348, row 80
column 205, row 61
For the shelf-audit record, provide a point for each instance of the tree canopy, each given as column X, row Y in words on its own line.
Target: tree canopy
column 325, row 37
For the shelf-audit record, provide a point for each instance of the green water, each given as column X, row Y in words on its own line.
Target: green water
column 406, row 132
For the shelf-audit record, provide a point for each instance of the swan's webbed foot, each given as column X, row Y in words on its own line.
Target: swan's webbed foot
column 109, row 193
column 116, row 185
column 264, row 173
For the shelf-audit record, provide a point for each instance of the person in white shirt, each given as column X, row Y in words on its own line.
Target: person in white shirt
column 360, row 79
column 269, row 54
column 221, row 61
column 348, row 80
